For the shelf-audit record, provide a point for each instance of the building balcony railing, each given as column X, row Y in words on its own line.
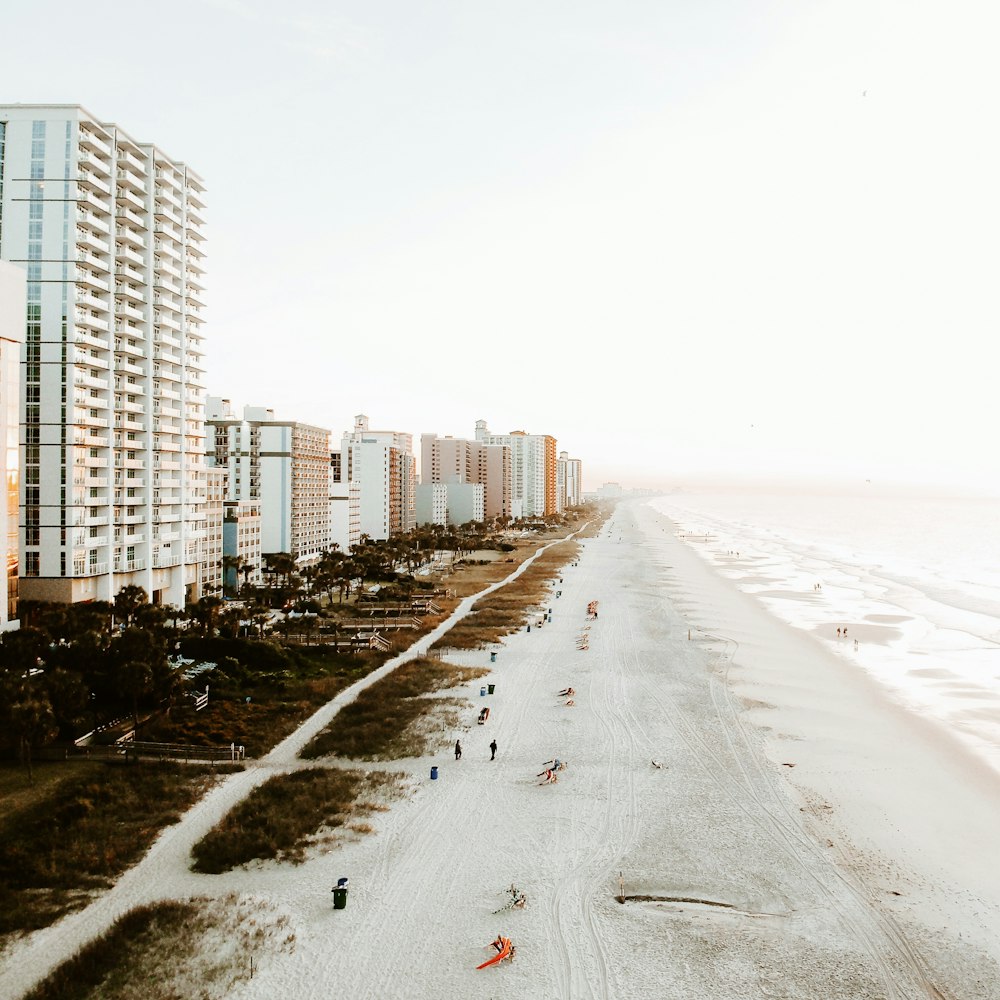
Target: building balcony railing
column 89, row 239
column 83, row 318
column 125, row 252
column 91, row 569
column 165, row 561
column 126, row 269
column 129, row 565
column 131, row 161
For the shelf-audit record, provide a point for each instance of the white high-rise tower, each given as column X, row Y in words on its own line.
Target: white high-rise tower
column 109, row 232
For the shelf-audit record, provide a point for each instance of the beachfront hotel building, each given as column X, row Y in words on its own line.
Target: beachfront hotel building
column 108, row 231
column 569, row 481
column 12, row 299
column 459, row 460
column 533, row 472
column 280, row 466
column 383, row 466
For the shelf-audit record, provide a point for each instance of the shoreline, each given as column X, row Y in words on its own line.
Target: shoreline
column 897, row 790
column 937, row 657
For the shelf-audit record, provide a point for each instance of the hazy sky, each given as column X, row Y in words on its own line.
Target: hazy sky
column 681, row 236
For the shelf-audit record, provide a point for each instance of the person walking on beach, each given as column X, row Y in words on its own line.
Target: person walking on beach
column 458, row 750
column 493, row 750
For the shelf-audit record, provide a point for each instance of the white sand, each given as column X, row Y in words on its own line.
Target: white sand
column 864, row 869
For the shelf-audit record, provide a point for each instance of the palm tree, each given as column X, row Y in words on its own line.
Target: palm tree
column 33, row 724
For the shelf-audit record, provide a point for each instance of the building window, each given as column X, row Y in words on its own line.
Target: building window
column 31, row 563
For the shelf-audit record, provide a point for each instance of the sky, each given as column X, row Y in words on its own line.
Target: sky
column 686, row 238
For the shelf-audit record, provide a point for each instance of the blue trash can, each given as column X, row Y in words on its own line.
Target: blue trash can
column 482, row 692
column 434, row 773
column 493, row 657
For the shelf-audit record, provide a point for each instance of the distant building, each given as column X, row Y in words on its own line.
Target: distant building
column 12, row 299
column 431, row 503
column 383, row 466
column 569, row 481
column 108, row 230
column 532, row 470
column 283, row 467
column 215, row 495
column 459, row 460
column 449, row 503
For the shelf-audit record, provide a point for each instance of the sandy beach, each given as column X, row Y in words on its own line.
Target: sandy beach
column 779, row 826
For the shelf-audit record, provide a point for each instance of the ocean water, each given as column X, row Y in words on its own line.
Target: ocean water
column 915, row 582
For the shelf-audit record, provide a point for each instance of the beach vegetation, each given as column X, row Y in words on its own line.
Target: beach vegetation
column 282, row 818
column 80, row 827
column 394, row 717
column 171, row 949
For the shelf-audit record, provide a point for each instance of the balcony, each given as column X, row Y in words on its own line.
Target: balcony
column 125, row 346
column 86, row 420
column 131, row 237
column 95, row 502
column 127, row 291
column 93, row 169
column 94, row 143
column 82, row 317
column 166, row 560
column 94, row 569
column 164, row 339
column 85, row 297
column 127, row 216
column 125, row 269
column 161, row 354
column 129, row 311
column 84, row 358
column 166, row 319
column 122, row 364
column 84, row 217
column 129, row 565
column 94, row 202
column 90, row 381
column 124, row 252
column 131, row 161
column 127, row 422
column 132, row 407
column 87, row 238
column 95, row 282
column 128, row 198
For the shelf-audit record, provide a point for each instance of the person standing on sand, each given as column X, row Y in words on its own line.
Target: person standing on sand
column 458, row 750
column 493, row 750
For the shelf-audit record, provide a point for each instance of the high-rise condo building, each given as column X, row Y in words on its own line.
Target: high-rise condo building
column 459, row 460
column 109, row 232
column 532, row 470
column 12, row 289
column 383, row 465
column 281, row 466
column 569, row 481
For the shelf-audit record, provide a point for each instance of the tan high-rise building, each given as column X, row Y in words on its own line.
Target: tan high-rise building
column 459, row 460
column 533, row 470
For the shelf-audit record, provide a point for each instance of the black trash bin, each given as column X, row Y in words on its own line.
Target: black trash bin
column 340, row 894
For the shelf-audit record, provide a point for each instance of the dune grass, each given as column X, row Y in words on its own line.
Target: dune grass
column 383, row 722
column 508, row 608
column 288, row 814
column 171, row 950
column 83, row 831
